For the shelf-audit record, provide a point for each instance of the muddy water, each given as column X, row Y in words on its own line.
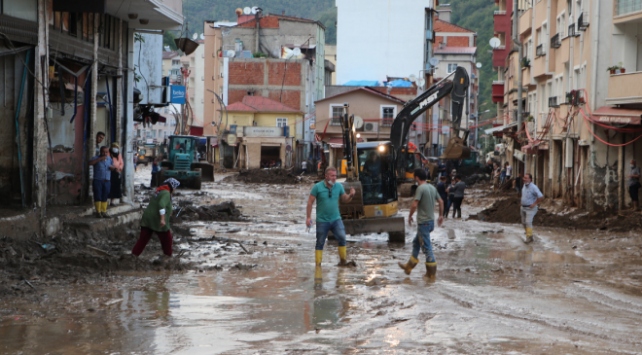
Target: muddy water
column 567, row 293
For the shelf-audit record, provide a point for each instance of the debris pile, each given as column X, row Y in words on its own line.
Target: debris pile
column 225, row 211
column 268, row 176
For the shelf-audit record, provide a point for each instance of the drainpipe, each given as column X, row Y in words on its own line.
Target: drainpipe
column 520, row 75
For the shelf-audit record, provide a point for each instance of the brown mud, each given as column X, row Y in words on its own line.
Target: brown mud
column 507, row 210
column 268, row 176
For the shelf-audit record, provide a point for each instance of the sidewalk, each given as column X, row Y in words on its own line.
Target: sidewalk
column 24, row 223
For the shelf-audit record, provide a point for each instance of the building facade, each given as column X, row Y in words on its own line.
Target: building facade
column 65, row 69
column 580, row 111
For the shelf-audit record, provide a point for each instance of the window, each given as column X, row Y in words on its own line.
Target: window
column 452, row 67
column 388, row 114
column 23, row 9
column 281, row 122
column 561, row 25
column 336, row 111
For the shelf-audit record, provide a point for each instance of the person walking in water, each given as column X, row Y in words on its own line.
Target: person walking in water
column 424, row 203
column 531, row 197
column 327, row 193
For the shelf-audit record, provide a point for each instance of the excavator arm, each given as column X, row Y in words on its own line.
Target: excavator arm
column 458, row 89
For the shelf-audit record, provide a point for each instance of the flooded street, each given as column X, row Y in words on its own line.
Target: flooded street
column 569, row 292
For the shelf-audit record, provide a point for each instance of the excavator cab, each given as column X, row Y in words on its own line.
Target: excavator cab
column 456, row 148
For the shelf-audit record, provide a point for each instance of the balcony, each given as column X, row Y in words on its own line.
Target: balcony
column 552, row 102
column 499, row 12
column 540, row 51
column 571, row 31
column 525, row 22
column 625, row 89
column 498, row 91
column 626, row 11
column 582, row 22
column 555, row 41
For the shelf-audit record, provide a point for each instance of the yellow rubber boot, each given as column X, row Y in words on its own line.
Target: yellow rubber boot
column 431, row 271
column 104, row 204
column 343, row 259
column 99, row 208
column 318, row 274
column 529, row 235
column 318, row 256
column 407, row 267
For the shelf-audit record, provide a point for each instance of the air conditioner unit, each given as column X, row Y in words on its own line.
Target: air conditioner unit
column 371, row 127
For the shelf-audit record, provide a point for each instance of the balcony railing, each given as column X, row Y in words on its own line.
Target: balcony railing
column 623, row 7
column 499, row 12
column 582, row 22
column 540, row 51
column 552, row 102
column 555, row 41
column 571, row 31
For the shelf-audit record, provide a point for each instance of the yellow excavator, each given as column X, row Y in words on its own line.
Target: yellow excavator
column 375, row 169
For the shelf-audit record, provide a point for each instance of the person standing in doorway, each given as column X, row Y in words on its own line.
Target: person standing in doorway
column 101, row 183
column 115, row 193
column 327, row 193
column 424, row 203
column 509, row 171
column 634, row 185
column 531, row 197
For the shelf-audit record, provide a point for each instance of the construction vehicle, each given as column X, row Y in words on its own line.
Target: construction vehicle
column 456, row 149
column 374, row 169
column 182, row 163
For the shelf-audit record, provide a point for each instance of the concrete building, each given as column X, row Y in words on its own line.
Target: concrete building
column 80, row 52
column 278, row 57
column 172, row 67
column 261, row 128
column 377, row 109
column 579, row 122
column 454, row 46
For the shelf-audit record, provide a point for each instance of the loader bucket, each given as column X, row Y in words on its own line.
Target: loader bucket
column 456, row 149
column 207, row 171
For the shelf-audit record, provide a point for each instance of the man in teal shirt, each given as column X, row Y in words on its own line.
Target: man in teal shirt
column 327, row 194
column 424, row 203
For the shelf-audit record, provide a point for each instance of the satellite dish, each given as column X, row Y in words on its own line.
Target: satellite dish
column 230, row 53
column 296, row 51
column 478, row 65
column 247, row 10
column 358, row 122
column 195, row 36
column 202, row 36
column 254, row 10
column 495, row 42
column 434, row 61
column 412, row 77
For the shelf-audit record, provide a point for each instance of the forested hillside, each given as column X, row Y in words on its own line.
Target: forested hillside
column 475, row 15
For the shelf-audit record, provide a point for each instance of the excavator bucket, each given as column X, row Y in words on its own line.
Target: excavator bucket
column 456, row 149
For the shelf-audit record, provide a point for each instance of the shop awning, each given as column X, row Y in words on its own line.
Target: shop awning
column 500, row 128
column 614, row 115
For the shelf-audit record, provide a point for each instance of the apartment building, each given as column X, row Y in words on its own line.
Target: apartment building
column 454, row 46
column 581, row 98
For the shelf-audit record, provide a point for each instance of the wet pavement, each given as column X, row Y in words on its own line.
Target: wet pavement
column 569, row 292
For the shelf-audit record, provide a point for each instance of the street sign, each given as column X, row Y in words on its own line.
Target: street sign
column 177, row 94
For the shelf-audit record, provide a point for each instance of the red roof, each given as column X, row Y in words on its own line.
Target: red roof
column 443, row 26
column 259, row 104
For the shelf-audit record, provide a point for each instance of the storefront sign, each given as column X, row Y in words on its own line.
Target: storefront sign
column 619, row 119
column 263, row 131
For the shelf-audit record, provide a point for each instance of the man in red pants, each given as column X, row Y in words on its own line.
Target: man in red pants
column 156, row 219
